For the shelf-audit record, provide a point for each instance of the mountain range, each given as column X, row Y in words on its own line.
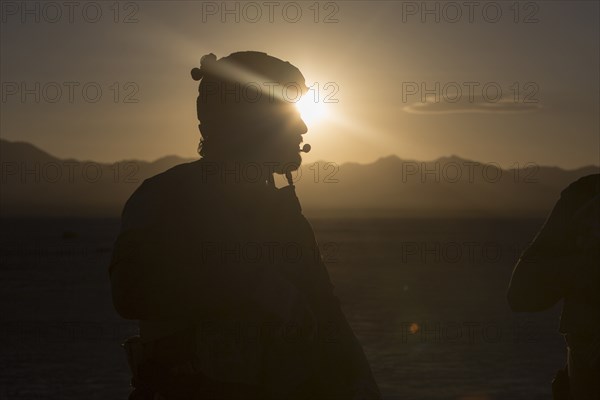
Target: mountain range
column 35, row 183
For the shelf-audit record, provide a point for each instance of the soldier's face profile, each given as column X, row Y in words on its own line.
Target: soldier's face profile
column 288, row 130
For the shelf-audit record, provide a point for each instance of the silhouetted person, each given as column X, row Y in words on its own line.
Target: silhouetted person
column 563, row 262
column 222, row 269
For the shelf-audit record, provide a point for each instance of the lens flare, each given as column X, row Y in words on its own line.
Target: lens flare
column 311, row 109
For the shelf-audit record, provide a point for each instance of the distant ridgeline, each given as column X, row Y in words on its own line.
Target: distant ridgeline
column 34, row 183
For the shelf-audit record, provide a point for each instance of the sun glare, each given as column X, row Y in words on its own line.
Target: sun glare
column 311, row 110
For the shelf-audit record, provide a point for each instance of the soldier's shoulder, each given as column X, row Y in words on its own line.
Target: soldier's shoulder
column 588, row 185
column 173, row 176
column 156, row 189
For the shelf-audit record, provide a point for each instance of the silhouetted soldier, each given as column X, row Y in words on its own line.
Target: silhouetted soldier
column 563, row 262
column 221, row 267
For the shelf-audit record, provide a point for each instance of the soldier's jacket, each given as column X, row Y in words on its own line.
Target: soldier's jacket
column 238, row 265
column 563, row 262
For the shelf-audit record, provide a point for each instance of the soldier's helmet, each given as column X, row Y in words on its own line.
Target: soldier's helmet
column 244, row 98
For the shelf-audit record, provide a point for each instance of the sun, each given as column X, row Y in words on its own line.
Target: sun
column 311, row 110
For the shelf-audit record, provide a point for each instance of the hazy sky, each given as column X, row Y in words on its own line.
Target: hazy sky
column 374, row 58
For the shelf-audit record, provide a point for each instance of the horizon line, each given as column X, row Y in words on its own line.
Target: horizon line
column 189, row 159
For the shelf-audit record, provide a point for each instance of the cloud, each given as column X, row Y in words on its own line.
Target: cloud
column 476, row 106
